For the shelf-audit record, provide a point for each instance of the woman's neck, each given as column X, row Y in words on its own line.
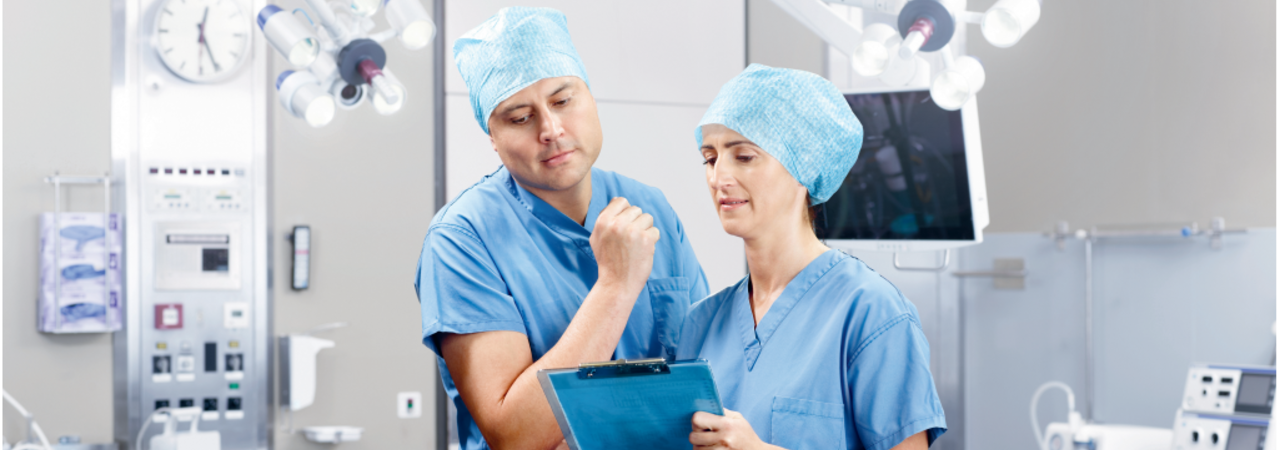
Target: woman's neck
column 774, row 259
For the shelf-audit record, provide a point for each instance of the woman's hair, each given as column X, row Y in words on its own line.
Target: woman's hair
column 811, row 212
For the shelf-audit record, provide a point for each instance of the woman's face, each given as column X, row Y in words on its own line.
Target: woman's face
column 753, row 193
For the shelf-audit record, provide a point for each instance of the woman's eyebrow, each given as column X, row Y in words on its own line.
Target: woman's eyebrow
column 736, row 143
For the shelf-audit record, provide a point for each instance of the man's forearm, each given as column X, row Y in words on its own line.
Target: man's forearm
column 523, row 417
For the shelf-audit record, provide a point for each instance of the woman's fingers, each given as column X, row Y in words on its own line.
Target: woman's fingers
column 704, row 438
column 706, row 421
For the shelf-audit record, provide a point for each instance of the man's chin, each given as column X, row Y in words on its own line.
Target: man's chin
column 559, row 179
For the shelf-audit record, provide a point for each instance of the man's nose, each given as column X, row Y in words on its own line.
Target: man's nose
column 550, row 128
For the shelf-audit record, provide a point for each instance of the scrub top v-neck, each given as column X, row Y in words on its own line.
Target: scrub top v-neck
column 838, row 361
column 498, row 258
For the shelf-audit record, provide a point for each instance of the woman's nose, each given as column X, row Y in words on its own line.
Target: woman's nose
column 720, row 176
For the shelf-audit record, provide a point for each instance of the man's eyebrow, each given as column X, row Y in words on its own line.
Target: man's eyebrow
column 513, row 108
column 562, row 87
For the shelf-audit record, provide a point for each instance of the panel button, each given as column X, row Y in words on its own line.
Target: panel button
column 235, row 362
column 162, row 404
column 233, row 403
column 186, row 402
column 168, row 316
column 211, row 404
column 160, row 364
column 186, row 363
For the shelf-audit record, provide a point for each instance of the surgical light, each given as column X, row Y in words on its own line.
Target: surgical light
column 411, row 22
column 1007, row 21
column 292, row 39
column 353, row 63
column 363, row 8
column 871, row 57
column 955, row 85
column 891, row 51
column 301, row 95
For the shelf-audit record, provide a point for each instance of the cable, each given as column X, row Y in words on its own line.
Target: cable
column 35, row 427
column 1035, row 402
column 173, row 415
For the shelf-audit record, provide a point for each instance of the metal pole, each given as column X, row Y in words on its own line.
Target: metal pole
column 441, row 196
column 1088, row 328
column 106, row 243
column 57, row 252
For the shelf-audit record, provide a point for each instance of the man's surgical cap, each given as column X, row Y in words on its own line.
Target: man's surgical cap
column 512, row 50
column 799, row 118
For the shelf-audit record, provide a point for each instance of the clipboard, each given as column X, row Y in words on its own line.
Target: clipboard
column 630, row 404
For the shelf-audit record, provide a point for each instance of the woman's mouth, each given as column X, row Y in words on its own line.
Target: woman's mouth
column 729, row 204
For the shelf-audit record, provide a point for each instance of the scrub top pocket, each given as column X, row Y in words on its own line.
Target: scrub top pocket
column 806, row 424
column 669, row 299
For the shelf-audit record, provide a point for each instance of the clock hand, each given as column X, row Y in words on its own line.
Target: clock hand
column 216, row 67
column 200, row 26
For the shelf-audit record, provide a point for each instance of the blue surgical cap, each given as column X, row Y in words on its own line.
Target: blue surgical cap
column 512, row 50
column 800, row 118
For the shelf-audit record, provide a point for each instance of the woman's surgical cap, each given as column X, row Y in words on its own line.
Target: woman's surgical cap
column 799, row 118
column 512, row 50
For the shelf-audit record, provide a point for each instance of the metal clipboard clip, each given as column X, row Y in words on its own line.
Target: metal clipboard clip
column 623, row 368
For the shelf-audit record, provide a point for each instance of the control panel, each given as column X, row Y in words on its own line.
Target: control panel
column 1226, row 389
column 201, row 342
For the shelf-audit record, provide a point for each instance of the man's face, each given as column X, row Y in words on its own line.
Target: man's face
column 548, row 134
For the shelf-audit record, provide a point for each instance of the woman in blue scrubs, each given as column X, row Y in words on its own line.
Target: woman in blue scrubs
column 813, row 349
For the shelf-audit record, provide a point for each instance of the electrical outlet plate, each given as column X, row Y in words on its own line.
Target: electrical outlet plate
column 409, row 405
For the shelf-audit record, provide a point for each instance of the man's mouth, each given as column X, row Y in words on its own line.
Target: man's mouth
column 558, row 158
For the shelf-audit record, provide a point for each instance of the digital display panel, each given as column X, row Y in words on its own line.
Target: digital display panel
column 1246, row 437
column 911, row 180
column 1255, row 393
column 214, row 259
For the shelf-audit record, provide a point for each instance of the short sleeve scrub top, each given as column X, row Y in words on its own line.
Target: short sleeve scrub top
column 838, row 361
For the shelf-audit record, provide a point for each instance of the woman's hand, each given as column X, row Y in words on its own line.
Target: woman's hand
column 730, row 431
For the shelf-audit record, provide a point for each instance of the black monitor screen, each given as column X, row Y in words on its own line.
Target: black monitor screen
column 1246, row 437
column 1256, row 393
column 911, row 181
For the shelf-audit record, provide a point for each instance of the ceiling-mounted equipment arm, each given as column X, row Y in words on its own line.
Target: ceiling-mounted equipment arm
column 817, row 17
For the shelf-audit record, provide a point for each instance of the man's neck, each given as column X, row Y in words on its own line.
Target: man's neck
column 572, row 202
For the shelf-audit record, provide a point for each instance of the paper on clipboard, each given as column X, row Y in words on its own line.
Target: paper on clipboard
column 636, row 404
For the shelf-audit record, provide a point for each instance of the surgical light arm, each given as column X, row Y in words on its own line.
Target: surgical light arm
column 821, row 20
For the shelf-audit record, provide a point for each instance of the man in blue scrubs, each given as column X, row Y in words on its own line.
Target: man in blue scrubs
column 547, row 262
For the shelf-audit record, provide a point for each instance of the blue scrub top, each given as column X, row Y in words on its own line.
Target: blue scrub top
column 498, row 257
column 838, row 361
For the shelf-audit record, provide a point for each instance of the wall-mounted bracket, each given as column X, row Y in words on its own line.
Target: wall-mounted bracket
column 946, row 261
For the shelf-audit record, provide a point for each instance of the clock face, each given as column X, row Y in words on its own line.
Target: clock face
column 202, row 40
